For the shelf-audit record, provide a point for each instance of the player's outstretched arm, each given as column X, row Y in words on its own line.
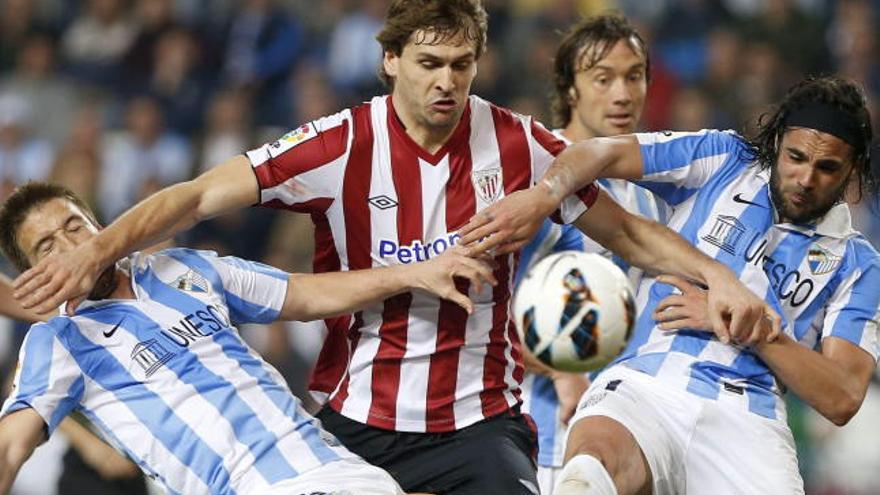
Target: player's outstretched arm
column 20, row 433
column 229, row 186
column 735, row 312
column 316, row 296
column 509, row 224
column 834, row 382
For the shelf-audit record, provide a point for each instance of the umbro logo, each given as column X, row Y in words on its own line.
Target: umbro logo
column 382, row 202
column 739, row 199
column 110, row 333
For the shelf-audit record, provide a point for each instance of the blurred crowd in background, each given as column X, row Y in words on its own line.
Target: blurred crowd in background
column 118, row 98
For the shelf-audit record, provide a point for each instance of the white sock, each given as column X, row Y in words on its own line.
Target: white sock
column 584, row 475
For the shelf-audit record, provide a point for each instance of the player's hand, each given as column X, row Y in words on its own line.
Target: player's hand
column 59, row 278
column 509, row 224
column 447, row 276
column 570, row 387
column 729, row 309
column 690, row 309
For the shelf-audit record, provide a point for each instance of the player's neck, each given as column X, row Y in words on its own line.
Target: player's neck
column 112, row 284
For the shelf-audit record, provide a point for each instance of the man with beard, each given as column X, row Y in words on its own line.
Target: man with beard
column 682, row 411
column 154, row 360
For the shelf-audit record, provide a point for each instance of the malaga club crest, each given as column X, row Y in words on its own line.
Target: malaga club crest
column 192, row 282
column 488, row 184
column 821, row 261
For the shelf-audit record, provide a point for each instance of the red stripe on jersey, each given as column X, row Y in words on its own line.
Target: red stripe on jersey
column 547, row 140
column 355, row 193
column 406, row 173
column 515, row 344
column 333, row 359
column 354, row 337
column 327, row 146
column 451, row 318
column 513, row 147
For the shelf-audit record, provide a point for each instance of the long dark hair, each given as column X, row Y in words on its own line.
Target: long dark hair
column 846, row 95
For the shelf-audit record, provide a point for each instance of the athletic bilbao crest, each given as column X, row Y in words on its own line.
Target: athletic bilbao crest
column 488, row 184
column 821, row 261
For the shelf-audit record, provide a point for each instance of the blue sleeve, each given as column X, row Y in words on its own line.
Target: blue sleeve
column 254, row 292
column 47, row 379
column 677, row 164
column 853, row 313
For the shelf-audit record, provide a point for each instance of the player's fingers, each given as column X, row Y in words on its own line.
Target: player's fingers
column 24, row 281
column 482, row 269
column 38, row 298
column 73, row 304
column 28, row 282
column 716, row 319
column 678, row 324
column 738, row 328
column 671, row 313
column 775, row 325
column 472, row 230
column 461, row 299
column 490, row 241
column 679, row 283
column 511, row 246
column 668, row 302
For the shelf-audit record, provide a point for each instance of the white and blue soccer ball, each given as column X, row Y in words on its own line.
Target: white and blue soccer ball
column 574, row 311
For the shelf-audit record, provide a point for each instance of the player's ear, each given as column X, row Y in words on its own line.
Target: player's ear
column 390, row 62
column 572, row 94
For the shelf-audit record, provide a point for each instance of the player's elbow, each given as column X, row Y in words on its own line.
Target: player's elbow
column 844, row 409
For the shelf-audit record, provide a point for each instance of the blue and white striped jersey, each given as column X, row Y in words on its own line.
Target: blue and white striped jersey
column 824, row 278
column 539, row 395
column 167, row 378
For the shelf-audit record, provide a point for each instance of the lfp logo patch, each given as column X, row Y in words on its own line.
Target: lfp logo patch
column 293, row 138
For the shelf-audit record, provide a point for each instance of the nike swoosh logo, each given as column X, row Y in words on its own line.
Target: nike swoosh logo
column 739, row 199
column 112, row 330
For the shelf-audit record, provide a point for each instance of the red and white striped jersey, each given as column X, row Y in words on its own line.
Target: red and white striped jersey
column 414, row 362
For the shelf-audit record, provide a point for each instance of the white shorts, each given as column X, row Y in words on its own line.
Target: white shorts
column 344, row 477
column 696, row 445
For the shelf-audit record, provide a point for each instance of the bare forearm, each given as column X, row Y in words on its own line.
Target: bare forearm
column 155, row 219
column 312, row 297
column 585, row 161
column 229, row 186
column 656, row 248
column 828, row 387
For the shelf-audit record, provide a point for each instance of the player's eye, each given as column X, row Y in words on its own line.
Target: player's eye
column 428, row 64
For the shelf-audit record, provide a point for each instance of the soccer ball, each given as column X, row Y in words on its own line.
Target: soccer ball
column 574, row 311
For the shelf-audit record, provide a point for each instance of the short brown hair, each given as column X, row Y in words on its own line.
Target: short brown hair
column 594, row 36
column 17, row 207
column 444, row 18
